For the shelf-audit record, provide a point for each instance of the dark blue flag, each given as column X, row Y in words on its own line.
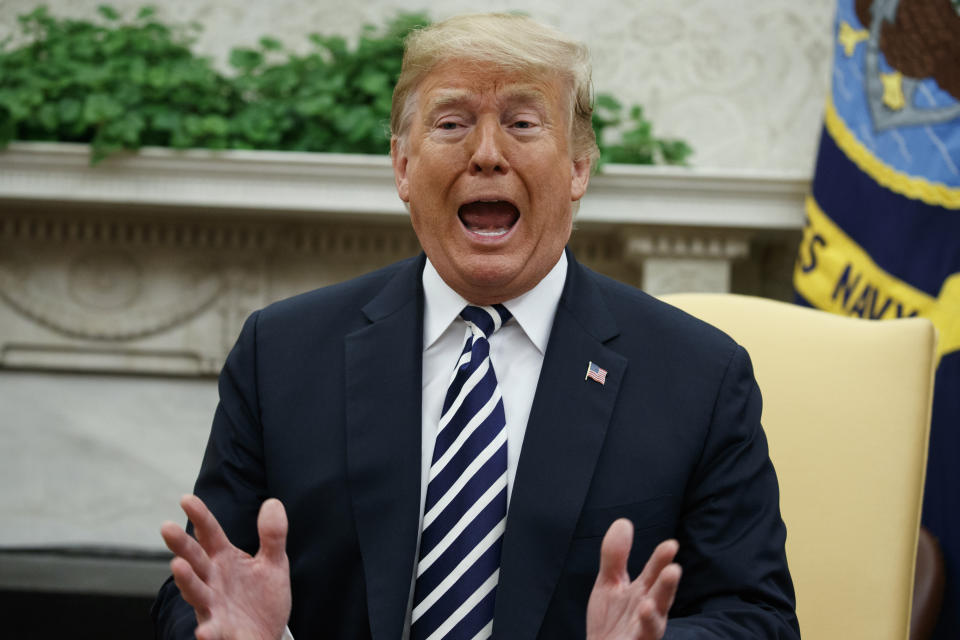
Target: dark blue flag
column 882, row 238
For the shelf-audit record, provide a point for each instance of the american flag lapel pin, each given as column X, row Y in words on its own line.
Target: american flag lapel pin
column 594, row 372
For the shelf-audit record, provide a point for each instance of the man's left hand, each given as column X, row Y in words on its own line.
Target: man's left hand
column 623, row 610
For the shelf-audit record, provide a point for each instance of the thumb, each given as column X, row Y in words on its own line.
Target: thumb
column 272, row 527
column 614, row 552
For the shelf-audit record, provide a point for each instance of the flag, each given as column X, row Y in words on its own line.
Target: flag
column 882, row 235
column 596, row 373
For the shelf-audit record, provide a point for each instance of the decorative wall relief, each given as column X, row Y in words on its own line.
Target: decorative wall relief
column 117, row 293
column 105, row 280
column 168, row 294
column 107, row 294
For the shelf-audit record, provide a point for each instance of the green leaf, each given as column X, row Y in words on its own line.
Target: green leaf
column 606, row 101
column 48, row 116
column 215, row 126
column 245, row 59
column 193, row 125
column 335, row 45
column 145, row 12
column 101, row 150
column 7, row 127
column 108, row 12
column 137, row 71
column 270, row 44
column 90, row 76
column 99, row 107
column 165, row 120
column 158, row 77
column 314, row 106
column 70, row 110
column 255, row 124
column 374, row 82
column 126, row 130
column 675, row 151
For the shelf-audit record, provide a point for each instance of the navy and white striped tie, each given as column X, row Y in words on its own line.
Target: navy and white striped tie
column 466, row 507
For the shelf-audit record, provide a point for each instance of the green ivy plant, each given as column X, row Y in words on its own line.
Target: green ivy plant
column 335, row 98
column 629, row 139
column 116, row 86
column 122, row 84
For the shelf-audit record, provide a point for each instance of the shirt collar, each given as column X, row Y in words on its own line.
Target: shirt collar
column 533, row 310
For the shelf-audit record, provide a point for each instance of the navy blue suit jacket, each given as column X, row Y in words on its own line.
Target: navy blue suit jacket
column 320, row 407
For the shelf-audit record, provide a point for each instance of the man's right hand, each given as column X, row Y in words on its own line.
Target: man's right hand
column 623, row 610
column 236, row 596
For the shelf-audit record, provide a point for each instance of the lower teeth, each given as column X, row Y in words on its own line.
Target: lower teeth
column 495, row 232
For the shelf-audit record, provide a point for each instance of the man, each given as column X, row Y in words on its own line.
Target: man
column 590, row 407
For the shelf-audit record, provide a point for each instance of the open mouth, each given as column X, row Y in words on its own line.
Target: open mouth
column 489, row 218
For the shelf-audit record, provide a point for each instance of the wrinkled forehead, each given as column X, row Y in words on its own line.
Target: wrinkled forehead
column 459, row 82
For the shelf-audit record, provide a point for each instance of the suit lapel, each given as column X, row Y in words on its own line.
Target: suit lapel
column 383, row 395
column 564, row 436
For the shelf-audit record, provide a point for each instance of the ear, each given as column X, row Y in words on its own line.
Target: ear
column 579, row 177
column 399, row 159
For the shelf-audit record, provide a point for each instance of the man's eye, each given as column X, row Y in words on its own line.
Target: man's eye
column 523, row 124
column 448, row 126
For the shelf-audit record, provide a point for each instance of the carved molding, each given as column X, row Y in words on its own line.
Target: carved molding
column 100, row 229
column 640, row 245
column 686, row 275
column 675, row 261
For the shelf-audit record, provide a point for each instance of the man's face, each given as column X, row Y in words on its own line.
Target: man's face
column 488, row 172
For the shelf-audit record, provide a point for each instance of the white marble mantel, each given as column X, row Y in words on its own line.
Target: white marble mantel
column 314, row 184
column 149, row 262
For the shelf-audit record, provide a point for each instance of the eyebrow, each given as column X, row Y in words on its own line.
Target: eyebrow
column 449, row 98
column 512, row 96
column 525, row 96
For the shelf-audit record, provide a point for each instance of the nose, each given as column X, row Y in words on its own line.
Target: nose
column 487, row 153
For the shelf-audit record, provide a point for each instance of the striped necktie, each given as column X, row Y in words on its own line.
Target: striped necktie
column 466, row 507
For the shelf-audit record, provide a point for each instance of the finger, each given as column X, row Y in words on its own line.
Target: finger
column 209, row 534
column 194, row 590
column 660, row 558
column 272, row 526
column 209, row 630
column 652, row 622
column 187, row 548
column 664, row 590
column 614, row 552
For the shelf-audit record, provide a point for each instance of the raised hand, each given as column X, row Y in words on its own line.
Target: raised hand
column 236, row 596
column 619, row 609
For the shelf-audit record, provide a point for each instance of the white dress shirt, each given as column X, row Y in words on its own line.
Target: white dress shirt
column 516, row 354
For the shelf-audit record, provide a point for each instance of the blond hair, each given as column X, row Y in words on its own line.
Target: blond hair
column 515, row 43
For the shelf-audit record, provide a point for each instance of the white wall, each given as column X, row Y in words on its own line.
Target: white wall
column 743, row 82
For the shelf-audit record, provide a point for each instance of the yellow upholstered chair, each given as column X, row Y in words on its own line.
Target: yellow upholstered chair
column 846, row 409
